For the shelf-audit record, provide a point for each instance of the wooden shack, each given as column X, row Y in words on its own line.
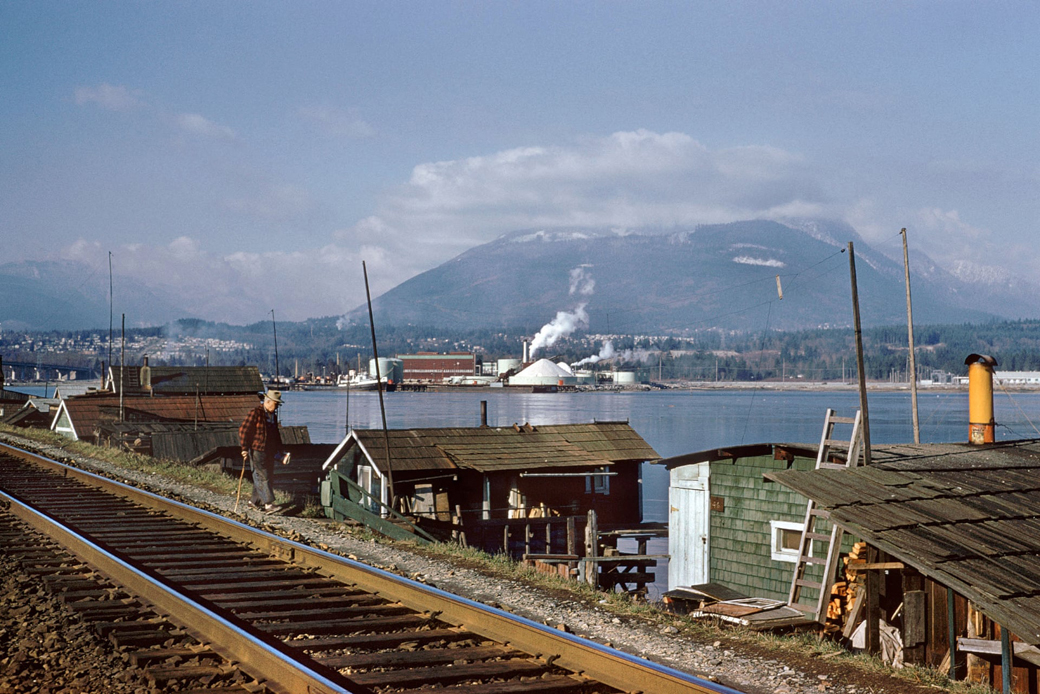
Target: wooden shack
column 81, row 417
column 728, row 525
column 525, row 489
column 953, row 553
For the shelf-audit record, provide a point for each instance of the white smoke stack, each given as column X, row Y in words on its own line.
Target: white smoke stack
column 527, row 356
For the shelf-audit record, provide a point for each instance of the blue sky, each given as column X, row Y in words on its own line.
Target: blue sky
column 248, row 155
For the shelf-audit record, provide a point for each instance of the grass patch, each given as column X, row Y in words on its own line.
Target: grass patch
column 205, row 478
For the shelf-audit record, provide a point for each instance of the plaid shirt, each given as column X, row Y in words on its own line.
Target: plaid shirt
column 259, row 432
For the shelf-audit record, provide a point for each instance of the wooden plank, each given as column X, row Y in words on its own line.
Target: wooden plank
column 913, row 618
column 989, row 647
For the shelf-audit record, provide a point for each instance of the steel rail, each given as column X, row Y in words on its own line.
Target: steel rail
column 597, row 662
column 279, row 671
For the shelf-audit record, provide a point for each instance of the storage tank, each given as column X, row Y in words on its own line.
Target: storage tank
column 625, row 378
column 390, row 369
column 585, row 378
column 505, row 365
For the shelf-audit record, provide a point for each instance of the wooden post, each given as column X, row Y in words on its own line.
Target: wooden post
column 951, row 631
column 1005, row 658
column 978, row 668
column 910, row 331
column 865, row 423
column 548, row 538
column 572, row 544
column 527, row 538
column 591, row 548
column 873, row 609
column 505, row 538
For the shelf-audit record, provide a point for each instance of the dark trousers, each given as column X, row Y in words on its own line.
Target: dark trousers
column 261, row 463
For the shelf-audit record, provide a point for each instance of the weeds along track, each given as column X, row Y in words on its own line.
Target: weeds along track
column 197, row 597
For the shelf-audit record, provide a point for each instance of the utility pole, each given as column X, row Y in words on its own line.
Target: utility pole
column 910, row 334
column 859, row 357
column 274, row 327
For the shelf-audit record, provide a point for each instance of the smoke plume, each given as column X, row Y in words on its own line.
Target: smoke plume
column 562, row 325
column 606, row 352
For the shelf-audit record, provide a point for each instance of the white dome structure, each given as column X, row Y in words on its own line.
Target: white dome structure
column 543, row 373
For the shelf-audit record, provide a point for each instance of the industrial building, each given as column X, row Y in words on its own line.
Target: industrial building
column 432, row 367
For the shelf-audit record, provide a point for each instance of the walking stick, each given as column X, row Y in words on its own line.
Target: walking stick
column 241, row 476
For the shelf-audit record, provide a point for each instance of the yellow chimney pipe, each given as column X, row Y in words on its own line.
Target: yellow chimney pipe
column 981, row 425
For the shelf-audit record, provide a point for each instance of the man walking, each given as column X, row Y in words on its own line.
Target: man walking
column 260, row 439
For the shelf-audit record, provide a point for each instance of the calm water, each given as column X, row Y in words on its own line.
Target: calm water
column 673, row 422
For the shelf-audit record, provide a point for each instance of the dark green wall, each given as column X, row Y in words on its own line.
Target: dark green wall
column 740, row 539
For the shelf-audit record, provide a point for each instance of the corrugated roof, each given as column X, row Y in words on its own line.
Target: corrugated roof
column 185, row 380
column 967, row 516
column 508, row 448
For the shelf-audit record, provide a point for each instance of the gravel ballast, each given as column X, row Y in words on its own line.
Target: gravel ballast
column 724, row 658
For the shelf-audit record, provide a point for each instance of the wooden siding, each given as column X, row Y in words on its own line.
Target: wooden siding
column 741, row 536
column 966, row 516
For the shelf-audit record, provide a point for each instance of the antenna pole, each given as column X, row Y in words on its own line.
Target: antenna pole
column 122, row 368
column 910, row 334
column 274, row 327
column 109, row 314
column 379, row 388
column 859, row 357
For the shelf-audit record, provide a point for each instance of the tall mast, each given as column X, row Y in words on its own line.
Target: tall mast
column 910, row 335
column 859, row 357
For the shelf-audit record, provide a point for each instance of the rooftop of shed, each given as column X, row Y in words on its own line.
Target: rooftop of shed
column 524, row 447
column 86, row 412
column 967, row 516
column 188, row 380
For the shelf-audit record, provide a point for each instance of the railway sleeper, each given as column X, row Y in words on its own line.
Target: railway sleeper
column 545, row 684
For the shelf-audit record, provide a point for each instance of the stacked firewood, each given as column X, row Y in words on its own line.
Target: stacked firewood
column 843, row 593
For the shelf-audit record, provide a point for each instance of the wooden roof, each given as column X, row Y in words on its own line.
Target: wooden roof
column 507, row 448
column 187, row 380
column 86, row 412
column 967, row 516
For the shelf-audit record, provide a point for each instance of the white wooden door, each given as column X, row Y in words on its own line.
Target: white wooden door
column 688, row 525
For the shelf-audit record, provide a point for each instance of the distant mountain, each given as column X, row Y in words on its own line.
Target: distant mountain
column 716, row 276
column 54, row 295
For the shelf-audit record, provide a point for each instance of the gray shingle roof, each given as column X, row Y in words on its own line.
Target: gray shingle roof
column 967, row 516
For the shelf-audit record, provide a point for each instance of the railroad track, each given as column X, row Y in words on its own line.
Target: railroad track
column 206, row 602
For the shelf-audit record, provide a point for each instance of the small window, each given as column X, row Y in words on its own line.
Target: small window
column 598, row 484
column 786, row 536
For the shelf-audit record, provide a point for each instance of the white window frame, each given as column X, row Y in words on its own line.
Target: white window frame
column 776, row 549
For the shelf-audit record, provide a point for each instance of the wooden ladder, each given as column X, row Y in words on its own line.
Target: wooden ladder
column 817, row 609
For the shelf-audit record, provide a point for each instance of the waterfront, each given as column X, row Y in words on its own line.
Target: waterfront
column 673, row 422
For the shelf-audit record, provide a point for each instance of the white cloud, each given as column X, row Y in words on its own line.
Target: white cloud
column 195, row 124
column 108, row 96
column 624, row 180
column 338, row 122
